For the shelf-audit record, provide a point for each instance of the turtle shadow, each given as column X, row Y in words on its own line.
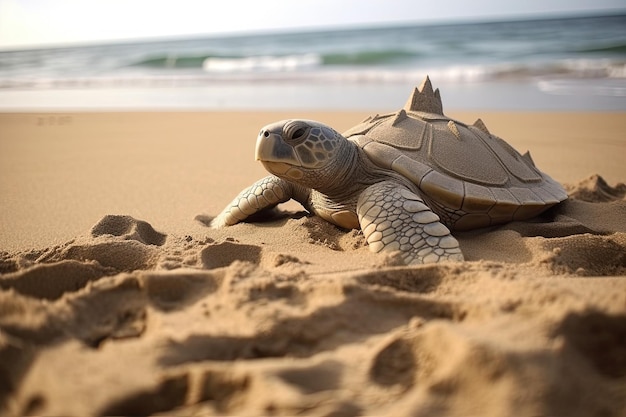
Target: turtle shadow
column 555, row 222
column 273, row 217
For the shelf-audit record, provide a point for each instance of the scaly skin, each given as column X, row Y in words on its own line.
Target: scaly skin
column 395, row 219
column 263, row 194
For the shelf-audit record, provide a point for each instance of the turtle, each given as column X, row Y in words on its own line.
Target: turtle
column 406, row 179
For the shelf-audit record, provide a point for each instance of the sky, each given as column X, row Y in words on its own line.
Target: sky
column 40, row 23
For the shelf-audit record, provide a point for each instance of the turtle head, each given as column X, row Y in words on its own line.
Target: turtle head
column 301, row 151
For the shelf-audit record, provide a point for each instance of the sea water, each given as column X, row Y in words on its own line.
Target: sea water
column 548, row 64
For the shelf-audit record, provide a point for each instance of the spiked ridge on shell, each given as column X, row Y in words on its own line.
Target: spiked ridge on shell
column 400, row 116
column 424, row 99
column 479, row 124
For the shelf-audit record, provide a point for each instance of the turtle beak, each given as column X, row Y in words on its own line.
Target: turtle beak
column 270, row 147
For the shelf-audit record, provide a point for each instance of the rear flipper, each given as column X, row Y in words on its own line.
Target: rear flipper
column 395, row 219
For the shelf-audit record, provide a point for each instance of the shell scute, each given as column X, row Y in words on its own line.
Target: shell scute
column 446, row 190
column 477, row 198
column 465, row 155
column 505, row 207
column 410, row 168
column 514, row 162
column 383, row 155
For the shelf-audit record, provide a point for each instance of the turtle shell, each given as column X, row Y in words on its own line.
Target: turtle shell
column 470, row 177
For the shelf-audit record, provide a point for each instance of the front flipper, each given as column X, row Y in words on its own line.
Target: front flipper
column 263, row 194
column 395, row 219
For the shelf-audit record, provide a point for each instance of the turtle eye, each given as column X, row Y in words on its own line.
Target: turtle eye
column 298, row 133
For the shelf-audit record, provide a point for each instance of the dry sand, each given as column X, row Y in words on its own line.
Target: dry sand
column 115, row 300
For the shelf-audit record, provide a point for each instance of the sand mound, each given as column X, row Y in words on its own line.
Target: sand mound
column 295, row 316
column 596, row 190
column 129, row 229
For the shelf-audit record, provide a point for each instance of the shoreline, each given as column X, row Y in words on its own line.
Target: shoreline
column 540, row 94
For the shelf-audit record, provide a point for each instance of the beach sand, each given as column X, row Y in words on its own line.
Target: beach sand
column 116, row 299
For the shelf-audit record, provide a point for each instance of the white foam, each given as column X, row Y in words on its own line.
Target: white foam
column 577, row 87
column 261, row 63
column 617, row 71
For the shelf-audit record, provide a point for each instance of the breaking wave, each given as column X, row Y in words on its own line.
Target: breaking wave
column 220, row 63
column 309, row 69
column 261, row 63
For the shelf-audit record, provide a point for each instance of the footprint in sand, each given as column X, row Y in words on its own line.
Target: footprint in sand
column 223, row 254
column 599, row 337
column 51, row 281
column 395, row 364
column 169, row 291
column 168, row 394
column 423, row 280
column 173, row 391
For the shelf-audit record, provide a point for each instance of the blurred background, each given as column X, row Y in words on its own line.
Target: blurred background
column 64, row 55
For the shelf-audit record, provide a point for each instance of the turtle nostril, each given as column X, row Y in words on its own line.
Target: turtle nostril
column 266, row 133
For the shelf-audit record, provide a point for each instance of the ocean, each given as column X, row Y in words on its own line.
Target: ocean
column 550, row 64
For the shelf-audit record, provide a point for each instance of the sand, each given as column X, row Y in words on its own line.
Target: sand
column 116, row 299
